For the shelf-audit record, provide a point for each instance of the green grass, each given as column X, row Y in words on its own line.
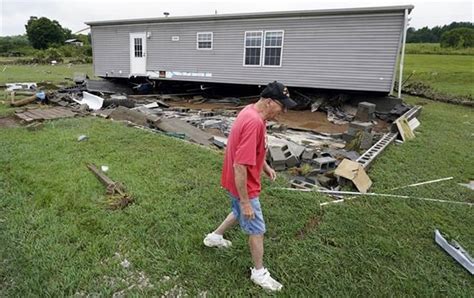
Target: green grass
column 448, row 74
column 435, row 49
column 41, row 73
column 57, row 239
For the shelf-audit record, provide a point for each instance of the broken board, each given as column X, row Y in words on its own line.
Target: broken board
column 45, row 114
column 404, row 129
column 354, row 172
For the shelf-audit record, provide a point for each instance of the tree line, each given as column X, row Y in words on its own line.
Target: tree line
column 456, row 34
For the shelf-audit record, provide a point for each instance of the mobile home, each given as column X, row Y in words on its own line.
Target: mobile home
column 343, row 49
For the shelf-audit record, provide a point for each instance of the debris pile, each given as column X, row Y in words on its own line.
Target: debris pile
column 310, row 159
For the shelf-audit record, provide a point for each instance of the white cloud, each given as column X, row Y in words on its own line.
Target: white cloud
column 73, row 13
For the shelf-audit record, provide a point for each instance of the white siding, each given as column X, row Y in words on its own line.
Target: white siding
column 349, row 52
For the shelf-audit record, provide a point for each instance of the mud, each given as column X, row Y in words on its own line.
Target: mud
column 316, row 121
column 9, row 121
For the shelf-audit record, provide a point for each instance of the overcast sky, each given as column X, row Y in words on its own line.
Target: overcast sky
column 73, row 13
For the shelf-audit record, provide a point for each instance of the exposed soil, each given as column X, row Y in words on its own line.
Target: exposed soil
column 9, row 121
column 316, row 121
column 311, row 225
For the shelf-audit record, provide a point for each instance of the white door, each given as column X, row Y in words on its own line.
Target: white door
column 138, row 53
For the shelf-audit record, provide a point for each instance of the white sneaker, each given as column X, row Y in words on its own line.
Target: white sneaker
column 215, row 240
column 265, row 280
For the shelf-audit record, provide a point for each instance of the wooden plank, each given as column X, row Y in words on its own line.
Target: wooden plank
column 55, row 113
column 46, row 114
column 36, row 114
column 33, row 115
column 22, row 116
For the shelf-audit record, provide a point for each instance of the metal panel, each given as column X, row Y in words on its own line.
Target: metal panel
column 349, row 52
column 257, row 15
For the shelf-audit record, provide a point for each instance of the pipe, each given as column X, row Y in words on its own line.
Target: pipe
column 402, row 58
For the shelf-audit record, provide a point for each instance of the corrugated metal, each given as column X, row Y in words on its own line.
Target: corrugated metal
column 349, row 52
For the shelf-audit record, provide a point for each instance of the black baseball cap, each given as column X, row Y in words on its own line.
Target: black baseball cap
column 278, row 91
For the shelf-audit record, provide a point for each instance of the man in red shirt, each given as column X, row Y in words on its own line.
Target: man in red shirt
column 244, row 161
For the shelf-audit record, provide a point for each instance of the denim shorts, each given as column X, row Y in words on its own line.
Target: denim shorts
column 254, row 226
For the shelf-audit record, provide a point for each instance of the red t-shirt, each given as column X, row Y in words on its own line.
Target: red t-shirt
column 245, row 146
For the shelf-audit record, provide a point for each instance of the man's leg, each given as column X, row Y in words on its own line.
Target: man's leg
column 216, row 239
column 228, row 223
column 256, row 250
column 256, row 229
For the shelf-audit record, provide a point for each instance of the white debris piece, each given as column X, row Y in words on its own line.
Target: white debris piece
column 92, row 101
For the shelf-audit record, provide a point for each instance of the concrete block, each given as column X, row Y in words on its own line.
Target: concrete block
column 325, row 164
column 304, row 183
column 324, row 154
column 276, row 158
column 308, row 155
column 365, row 112
column 366, row 140
column 356, row 126
column 291, row 159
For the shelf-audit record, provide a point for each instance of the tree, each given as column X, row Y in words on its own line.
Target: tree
column 14, row 45
column 433, row 35
column 43, row 33
column 458, row 38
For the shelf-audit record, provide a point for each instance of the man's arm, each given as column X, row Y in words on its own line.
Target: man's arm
column 269, row 171
column 240, row 173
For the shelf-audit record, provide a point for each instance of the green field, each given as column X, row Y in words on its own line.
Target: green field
column 58, row 239
column 450, row 74
column 12, row 73
column 435, row 49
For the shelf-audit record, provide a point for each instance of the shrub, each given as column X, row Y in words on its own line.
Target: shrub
column 53, row 54
column 458, row 38
column 46, row 56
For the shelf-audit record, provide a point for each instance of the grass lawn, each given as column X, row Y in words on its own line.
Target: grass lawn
column 435, row 49
column 57, row 239
column 41, row 73
column 451, row 74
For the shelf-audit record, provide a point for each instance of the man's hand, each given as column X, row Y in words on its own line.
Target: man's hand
column 247, row 210
column 269, row 172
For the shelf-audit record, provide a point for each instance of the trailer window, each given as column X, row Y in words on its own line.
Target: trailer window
column 253, row 48
column 204, row 40
column 273, row 48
